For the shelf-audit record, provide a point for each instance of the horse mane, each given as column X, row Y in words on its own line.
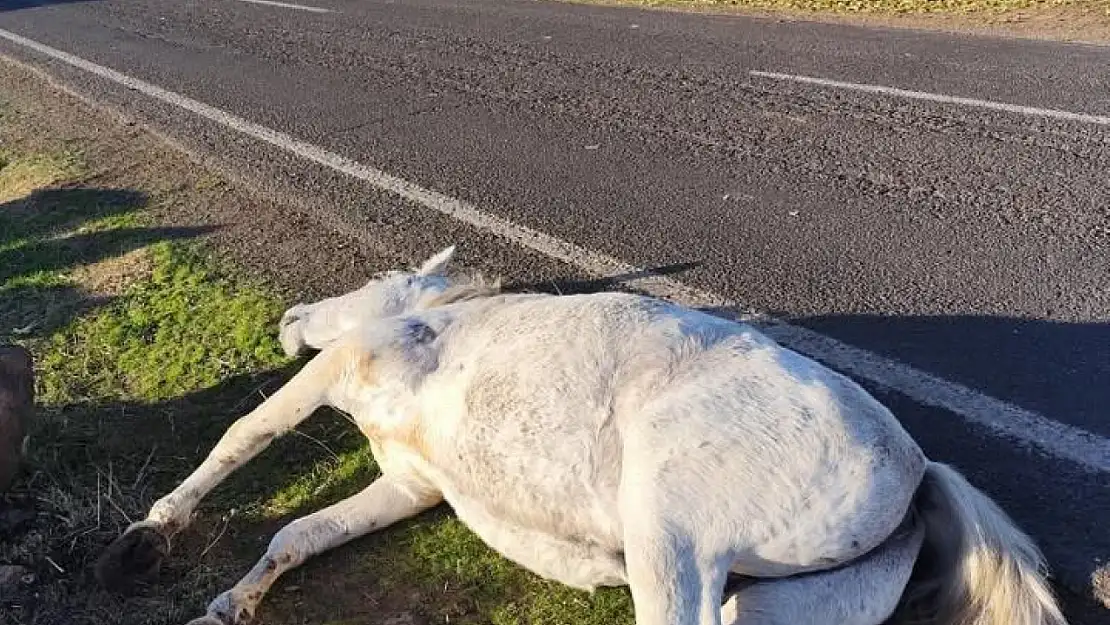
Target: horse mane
column 462, row 288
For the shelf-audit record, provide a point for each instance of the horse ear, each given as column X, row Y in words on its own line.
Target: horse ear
column 436, row 264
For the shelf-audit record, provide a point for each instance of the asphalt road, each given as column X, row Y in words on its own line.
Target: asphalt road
column 968, row 245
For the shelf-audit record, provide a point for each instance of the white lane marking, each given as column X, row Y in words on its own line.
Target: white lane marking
column 1002, row 418
column 1085, row 118
column 286, row 5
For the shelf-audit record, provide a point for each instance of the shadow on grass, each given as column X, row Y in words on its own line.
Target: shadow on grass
column 45, row 211
column 99, row 466
column 87, row 248
column 51, row 232
column 104, row 444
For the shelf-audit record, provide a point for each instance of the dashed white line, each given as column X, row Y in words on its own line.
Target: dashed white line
column 1101, row 120
column 1003, row 419
column 286, row 5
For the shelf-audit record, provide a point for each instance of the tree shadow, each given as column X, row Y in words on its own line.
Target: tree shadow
column 87, row 248
column 15, row 5
column 44, row 211
column 34, row 246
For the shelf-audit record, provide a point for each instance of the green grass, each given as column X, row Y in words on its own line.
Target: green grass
column 446, row 552
column 183, row 329
column 330, row 479
column 135, row 385
column 115, row 373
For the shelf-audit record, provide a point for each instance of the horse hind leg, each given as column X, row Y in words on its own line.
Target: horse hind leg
column 863, row 592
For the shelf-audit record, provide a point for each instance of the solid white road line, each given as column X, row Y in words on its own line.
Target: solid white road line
column 1101, row 120
column 286, row 5
column 1003, row 419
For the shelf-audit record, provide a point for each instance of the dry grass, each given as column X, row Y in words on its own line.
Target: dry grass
column 888, row 7
column 877, row 7
column 1067, row 20
column 20, row 174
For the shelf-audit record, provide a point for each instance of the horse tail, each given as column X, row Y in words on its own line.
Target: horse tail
column 975, row 567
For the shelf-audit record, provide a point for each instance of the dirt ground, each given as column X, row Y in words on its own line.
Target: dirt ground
column 1087, row 22
column 1081, row 21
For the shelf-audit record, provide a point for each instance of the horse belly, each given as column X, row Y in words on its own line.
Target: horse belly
column 544, row 497
column 578, row 562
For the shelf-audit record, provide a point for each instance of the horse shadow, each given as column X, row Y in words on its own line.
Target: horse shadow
column 1046, row 366
column 582, row 286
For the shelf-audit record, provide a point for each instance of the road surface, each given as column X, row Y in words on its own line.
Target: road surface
column 928, row 213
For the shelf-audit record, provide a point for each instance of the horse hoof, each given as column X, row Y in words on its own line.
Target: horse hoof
column 134, row 556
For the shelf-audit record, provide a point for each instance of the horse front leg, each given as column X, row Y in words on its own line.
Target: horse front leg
column 145, row 543
column 386, row 501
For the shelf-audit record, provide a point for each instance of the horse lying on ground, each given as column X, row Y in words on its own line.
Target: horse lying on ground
column 614, row 439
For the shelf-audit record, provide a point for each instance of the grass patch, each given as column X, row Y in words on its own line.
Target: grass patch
column 117, row 369
column 484, row 587
column 183, row 329
column 22, row 174
column 146, row 349
column 331, row 479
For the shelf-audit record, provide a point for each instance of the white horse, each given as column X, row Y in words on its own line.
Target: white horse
column 614, row 439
